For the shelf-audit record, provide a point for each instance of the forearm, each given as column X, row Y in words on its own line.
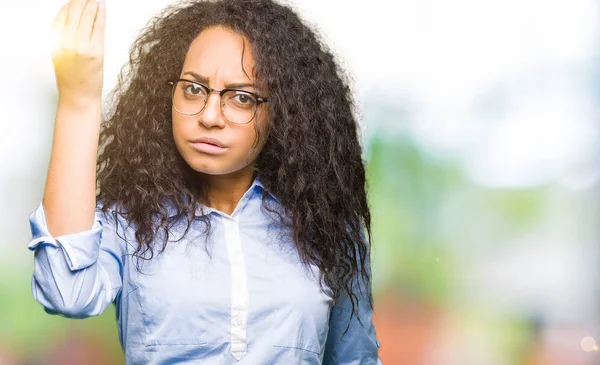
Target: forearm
column 70, row 194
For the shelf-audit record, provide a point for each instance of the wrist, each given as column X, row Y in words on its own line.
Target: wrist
column 79, row 102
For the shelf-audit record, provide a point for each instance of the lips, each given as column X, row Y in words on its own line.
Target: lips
column 209, row 140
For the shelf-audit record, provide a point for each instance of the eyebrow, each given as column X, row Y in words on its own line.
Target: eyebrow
column 205, row 80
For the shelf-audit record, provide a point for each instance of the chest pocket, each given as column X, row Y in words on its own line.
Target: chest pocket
column 177, row 296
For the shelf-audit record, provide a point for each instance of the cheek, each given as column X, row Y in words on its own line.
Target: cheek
column 244, row 140
column 256, row 138
column 246, row 146
column 178, row 128
column 260, row 130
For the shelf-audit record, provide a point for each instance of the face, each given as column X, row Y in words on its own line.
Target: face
column 214, row 59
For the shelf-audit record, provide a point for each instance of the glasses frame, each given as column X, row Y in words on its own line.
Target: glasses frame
column 173, row 83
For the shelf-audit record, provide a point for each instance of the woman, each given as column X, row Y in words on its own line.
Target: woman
column 230, row 223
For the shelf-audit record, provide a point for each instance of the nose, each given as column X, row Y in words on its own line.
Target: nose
column 211, row 115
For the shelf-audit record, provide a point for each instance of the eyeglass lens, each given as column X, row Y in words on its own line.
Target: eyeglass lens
column 237, row 106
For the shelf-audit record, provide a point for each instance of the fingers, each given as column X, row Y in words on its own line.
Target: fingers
column 73, row 18
column 99, row 24
column 80, row 24
column 59, row 22
column 84, row 32
column 56, row 30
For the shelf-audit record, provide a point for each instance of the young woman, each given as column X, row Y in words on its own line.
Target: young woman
column 231, row 222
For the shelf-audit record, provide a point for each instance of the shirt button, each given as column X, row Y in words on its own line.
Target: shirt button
column 237, row 322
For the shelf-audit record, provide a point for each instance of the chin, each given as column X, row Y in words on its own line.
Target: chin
column 214, row 169
column 213, row 165
column 207, row 169
column 211, row 172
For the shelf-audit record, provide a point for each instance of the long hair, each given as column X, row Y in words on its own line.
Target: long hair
column 311, row 160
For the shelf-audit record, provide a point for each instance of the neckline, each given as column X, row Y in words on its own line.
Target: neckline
column 204, row 210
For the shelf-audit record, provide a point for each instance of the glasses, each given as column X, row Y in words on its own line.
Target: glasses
column 237, row 106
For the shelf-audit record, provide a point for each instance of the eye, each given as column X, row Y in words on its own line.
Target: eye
column 191, row 89
column 242, row 99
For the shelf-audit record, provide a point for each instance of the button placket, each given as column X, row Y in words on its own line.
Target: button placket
column 239, row 288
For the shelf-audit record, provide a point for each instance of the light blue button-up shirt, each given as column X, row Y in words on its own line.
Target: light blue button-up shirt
column 244, row 299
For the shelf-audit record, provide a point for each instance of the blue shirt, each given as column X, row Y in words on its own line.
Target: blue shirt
column 244, row 299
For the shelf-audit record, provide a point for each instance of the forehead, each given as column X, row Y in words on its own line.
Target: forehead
column 217, row 52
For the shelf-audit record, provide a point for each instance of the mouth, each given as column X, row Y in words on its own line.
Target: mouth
column 209, row 141
column 208, row 145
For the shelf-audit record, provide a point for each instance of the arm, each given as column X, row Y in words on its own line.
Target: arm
column 70, row 191
column 76, row 275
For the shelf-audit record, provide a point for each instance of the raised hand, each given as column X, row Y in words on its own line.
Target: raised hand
column 78, row 57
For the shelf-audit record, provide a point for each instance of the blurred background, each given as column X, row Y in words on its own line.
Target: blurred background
column 481, row 133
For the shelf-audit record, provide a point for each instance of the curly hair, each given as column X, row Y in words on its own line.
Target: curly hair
column 311, row 160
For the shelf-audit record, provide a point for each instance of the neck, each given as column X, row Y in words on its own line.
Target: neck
column 225, row 191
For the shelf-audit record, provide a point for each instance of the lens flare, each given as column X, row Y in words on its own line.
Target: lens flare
column 588, row 344
column 53, row 41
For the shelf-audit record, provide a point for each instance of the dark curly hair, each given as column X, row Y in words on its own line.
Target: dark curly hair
column 311, row 160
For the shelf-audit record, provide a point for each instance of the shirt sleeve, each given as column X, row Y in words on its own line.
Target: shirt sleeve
column 359, row 345
column 75, row 275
